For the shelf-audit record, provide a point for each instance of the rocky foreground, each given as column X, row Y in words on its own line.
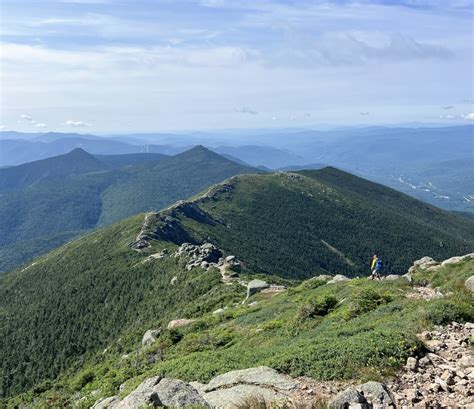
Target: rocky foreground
column 443, row 377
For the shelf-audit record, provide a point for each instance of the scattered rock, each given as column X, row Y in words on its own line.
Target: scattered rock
column 392, row 277
column 174, row 280
column 204, row 256
column 150, row 337
column 179, row 323
column 412, row 364
column 441, row 378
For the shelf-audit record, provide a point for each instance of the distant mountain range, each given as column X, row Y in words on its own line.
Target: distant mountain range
column 45, row 203
column 431, row 163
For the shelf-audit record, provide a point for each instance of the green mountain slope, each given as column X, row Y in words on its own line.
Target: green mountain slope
column 60, row 312
column 338, row 219
column 52, row 209
column 157, row 186
column 75, row 162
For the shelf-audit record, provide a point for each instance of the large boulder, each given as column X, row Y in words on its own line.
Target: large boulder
column 262, row 376
column 423, row 264
column 242, row 396
column 377, row 394
column 262, row 385
column 157, row 391
column 457, row 259
column 106, row 403
column 255, row 286
column 349, row 398
column 469, row 284
column 179, row 323
column 150, row 337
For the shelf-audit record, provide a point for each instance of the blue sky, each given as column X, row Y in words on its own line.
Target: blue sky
column 151, row 65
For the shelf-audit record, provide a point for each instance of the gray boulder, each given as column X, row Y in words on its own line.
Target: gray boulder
column 377, row 394
column 392, row 277
column 106, row 403
column 457, row 259
column 238, row 396
column 262, row 376
column 348, row 399
column 255, row 286
column 159, row 391
column 469, row 284
column 150, row 337
column 423, row 264
column 261, row 384
column 338, row 278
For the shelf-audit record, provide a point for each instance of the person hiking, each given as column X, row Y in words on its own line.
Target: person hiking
column 376, row 267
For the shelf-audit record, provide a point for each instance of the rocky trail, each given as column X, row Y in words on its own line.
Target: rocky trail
column 444, row 376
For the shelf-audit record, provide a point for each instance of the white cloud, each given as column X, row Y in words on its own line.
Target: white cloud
column 448, row 116
column 246, row 110
column 41, row 125
column 77, row 124
column 469, row 117
column 2, row 126
column 447, row 107
column 27, row 117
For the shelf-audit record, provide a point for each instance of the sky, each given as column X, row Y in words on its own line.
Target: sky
column 157, row 65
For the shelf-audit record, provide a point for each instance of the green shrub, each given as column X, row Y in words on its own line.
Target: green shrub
column 83, row 379
column 369, row 299
column 443, row 311
column 317, row 308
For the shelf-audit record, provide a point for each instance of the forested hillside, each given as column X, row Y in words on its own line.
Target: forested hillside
column 109, row 286
column 50, row 210
column 300, row 224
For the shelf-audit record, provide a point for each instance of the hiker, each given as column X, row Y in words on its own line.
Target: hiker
column 376, row 267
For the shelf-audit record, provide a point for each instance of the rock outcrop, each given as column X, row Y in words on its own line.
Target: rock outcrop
column 150, row 337
column 156, row 392
column 203, row 256
column 179, row 323
column 231, row 389
column 255, row 286
column 429, row 264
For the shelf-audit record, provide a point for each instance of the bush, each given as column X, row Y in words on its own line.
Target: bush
column 369, row 299
column 83, row 379
column 443, row 311
column 317, row 308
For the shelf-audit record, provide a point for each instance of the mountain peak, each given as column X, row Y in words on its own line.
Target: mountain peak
column 79, row 151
